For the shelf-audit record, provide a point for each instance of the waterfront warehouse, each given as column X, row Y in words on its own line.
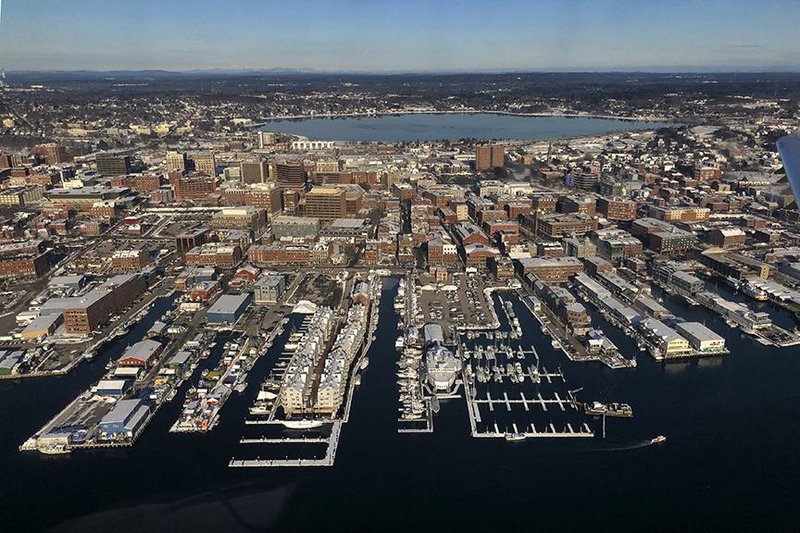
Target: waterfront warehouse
column 700, row 337
column 228, row 308
column 124, row 420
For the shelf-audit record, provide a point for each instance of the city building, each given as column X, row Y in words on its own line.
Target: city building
column 113, row 164
column 129, row 261
column 726, row 237
column 488, row 157
column 205, row 163
column 190, row 239
column 295, row 227
column 291, row 174
column 326, row 203
column 254, row 171
column 268, row 289
column 53, row 153
column 549, row 269
column 617, row 209
column 176, row 161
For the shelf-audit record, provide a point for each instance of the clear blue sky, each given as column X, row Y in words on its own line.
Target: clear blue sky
column 409, row 35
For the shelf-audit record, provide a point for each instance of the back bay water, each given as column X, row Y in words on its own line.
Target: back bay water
column 730, row 461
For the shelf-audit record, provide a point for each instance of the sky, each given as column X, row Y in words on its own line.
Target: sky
column 401, row 36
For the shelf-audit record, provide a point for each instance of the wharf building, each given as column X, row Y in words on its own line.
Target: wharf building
column 736, row 312
column 670, row 274
column 124, row 421
column 143, row 354
column 666, row 342
column 734, row 266
column 701, row 338
column 564, row 305
column 297, row 390
column 333, row 380
column 84, row 314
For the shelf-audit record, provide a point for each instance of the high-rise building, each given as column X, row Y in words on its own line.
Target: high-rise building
column 498, row 156
column 205, row 163
column 326, row 203
column 176, row 161
column 254, row 171
column 291, row 174
column 53, row 153
column 483, row 158
column 113, row 164
column 488, row 157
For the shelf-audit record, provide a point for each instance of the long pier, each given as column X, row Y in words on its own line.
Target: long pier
column 285, row 440
column 328, row 460
column 548, row 431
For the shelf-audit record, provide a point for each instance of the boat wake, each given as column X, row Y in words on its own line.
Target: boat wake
column 633, row 446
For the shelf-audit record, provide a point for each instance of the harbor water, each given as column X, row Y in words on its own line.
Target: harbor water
column 730, row 461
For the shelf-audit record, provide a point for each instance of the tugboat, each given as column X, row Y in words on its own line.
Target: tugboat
column 658, row 440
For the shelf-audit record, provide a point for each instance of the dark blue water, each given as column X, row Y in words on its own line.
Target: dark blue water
column 730, row 463
column 426, row 127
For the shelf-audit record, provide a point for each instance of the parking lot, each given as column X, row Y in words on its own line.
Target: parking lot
column 462, row 304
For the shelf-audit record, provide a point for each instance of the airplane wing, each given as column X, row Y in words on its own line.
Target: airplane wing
column 789, row 149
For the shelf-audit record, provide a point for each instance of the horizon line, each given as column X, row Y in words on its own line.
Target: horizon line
column 290, row 70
